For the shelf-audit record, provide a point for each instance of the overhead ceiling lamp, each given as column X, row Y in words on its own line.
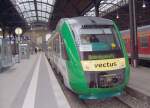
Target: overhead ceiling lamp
column 0, row 29
column 144, row 5
column 117, row 16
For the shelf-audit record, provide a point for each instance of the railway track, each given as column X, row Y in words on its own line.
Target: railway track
column 75, row 102
column 109, row 103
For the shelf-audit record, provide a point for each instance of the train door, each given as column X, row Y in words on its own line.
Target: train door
column 52, row 53
column 63, row 67
column 56, row 50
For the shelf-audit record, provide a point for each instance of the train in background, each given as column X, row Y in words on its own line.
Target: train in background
column 90, row 56
column 5, row 53
column 143, row 42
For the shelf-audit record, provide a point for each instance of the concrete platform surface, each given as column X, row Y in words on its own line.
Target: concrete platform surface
column 139, row 84
column 31, row 84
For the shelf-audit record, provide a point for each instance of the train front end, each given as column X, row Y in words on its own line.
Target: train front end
column 103, row 69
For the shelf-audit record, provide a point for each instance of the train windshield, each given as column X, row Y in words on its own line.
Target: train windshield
column 99, row 43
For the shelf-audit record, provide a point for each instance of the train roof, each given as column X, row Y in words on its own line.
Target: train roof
column 87, row 20
column 143, row 28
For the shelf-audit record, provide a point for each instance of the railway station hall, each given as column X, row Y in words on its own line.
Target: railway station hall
column 74, row 53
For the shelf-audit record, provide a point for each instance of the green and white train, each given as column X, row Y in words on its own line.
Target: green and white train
column 90, row 55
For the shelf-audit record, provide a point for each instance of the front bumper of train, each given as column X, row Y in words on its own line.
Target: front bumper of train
column 83, row 90
column 99, row 93
column 101, row 96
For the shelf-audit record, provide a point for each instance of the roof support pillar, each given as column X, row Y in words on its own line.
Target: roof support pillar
column 3, row 32
column 10, row 33
column 96, row 4
column 35, row 4
column 133, row 33
column 15, row 44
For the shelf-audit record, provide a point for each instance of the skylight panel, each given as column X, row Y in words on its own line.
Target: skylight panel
column 33, row 18
column 46, row 20
column 40, row 18
column 39, row 0
column 45, row 1
column 43, row 14
column 39, row 6
column 115, row 1
column 47, row 15
column 31, row 9
column 24, row 0
column 28, row 19
column 43, row 19
column 27, row 6
column 49, row 8
column 51, row 2
column 39, row 13
column 33, row 13
column 29, row 13
column 26, row 14
column 106, row 7
column 22, row 7
column 44, row 6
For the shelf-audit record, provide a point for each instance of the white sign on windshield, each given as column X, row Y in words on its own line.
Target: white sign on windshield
column 85, row 47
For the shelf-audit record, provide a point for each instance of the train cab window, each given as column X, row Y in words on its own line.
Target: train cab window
column 99, row 42
column 144, row 42
column 103, row 37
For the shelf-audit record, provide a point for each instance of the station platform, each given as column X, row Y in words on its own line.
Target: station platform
column 31, row 84
column 139, row 85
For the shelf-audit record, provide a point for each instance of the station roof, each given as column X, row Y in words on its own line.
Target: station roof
column 110, row 9
column 104, row 6
column 48, row 12
column 122, row 10
column 34, row 11
column 9, row 16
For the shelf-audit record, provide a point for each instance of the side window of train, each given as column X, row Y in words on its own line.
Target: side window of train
column 144, row 41
column 57, row 44
column 54, row 45
column 63, row 50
